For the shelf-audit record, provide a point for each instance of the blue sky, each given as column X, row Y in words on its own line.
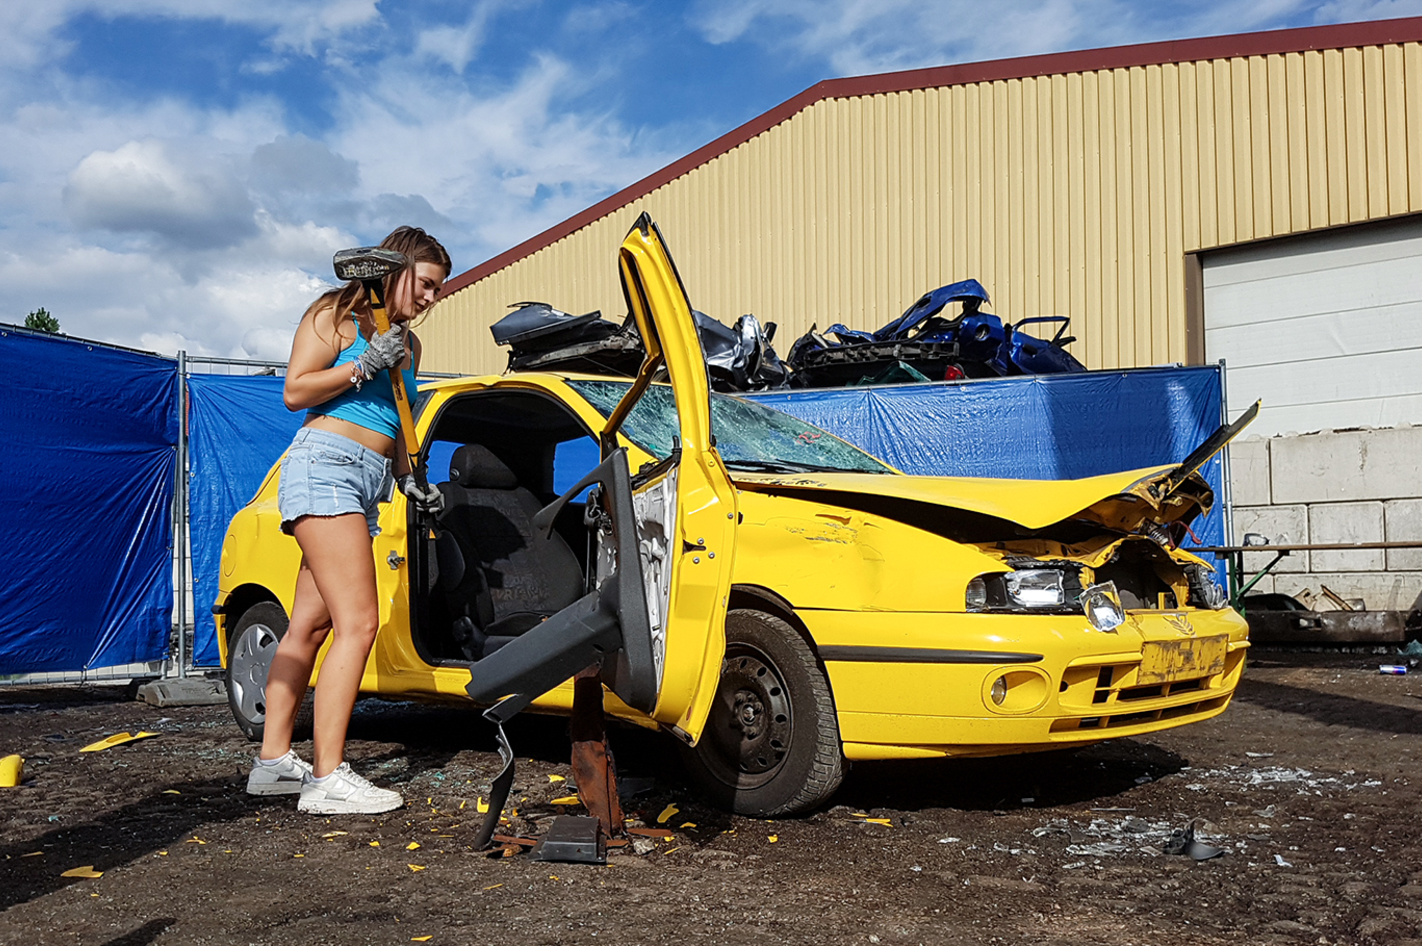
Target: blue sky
column 177, row 173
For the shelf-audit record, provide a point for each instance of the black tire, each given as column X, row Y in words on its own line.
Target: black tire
column 250, row 648
column 771, row 743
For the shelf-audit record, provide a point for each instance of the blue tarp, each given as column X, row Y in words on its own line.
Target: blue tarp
column 90, row 436
column 238, row 427
column 1062, row 426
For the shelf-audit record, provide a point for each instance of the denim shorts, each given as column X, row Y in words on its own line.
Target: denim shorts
column 325, row 474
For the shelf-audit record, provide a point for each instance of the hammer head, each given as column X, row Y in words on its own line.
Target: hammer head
column 368, row 263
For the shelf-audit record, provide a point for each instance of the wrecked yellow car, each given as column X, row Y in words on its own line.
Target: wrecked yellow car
column 775, row 599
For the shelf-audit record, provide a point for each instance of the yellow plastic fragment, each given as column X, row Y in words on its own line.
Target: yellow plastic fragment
column 556, row 778
column 688, row 824
column 375, row 844
column 298, row 855
column 162, row 853
column 415, row 866
column 194, row 840
column 670, row 849
column 773, row 838
column 421, row 939
column 481, row 805
column 171, row 791
column 493, row 886
column 334, row 834
column 567, row 800
column 883, row 821
column 667, row 812
column 12, row 770
column 552, row 876
column 413, row 846
column 86, row 871
column 117, row 739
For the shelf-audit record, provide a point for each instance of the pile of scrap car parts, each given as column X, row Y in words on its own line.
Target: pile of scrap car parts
column 924, row 341
column 923, row 344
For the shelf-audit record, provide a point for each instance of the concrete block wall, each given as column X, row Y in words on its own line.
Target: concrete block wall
column 1334, row 486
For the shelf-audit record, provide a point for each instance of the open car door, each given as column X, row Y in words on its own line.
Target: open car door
column 654, row 613
column 685, row 505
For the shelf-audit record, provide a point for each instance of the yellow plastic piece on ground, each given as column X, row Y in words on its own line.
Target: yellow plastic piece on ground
column 12, row 769
column 773, row 838
column 493, row 886
column 688, row 824
column 86, row 871
column 667, row 812
column 556, row 778
column 415, row 866
column 117, row 739
column 883, row 821
column 171, row 791
column 194, row 840
column 481, row 805
column 375, row 844
column 413, row 846
column 421, row 939
column 567, row 800
column 334, row 834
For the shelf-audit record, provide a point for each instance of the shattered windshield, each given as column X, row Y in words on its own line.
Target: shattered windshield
column 748, row 436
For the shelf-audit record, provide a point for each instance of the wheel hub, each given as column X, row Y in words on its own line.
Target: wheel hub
column 751, row 722
column 251, row 659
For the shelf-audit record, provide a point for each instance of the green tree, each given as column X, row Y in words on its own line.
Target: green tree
column 41, row 321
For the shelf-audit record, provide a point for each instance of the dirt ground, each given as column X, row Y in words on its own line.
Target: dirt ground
column 1306, row 781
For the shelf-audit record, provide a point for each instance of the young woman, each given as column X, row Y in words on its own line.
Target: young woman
column 336, row 472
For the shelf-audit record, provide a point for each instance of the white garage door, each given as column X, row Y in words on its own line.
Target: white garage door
column 1325, row 328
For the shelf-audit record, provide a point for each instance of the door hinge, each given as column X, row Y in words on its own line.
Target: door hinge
column 395, row 560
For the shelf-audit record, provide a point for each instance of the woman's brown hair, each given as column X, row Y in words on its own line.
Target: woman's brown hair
column 417, row 247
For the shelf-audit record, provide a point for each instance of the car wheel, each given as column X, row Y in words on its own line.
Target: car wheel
column 771, row 742
column 251, row 647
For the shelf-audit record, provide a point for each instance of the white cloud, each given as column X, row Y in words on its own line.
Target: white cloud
column 456, row 46
column 143, row 187
column 857, row 37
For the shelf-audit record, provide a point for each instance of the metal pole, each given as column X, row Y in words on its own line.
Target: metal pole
column 1227, row 479
column 180, row 497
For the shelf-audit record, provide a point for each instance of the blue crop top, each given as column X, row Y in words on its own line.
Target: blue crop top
column 373, row 406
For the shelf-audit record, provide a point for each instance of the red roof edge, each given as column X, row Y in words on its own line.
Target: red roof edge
column 1264, row 43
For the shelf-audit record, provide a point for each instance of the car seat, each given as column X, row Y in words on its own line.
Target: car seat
column 499, row 576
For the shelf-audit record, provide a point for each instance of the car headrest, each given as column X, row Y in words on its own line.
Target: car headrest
column 474, row 466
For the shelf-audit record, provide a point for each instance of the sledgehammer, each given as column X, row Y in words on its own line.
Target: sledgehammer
column 371, row 265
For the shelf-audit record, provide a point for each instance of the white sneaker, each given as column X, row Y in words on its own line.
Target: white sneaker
column 282, row 776
column 345, row 793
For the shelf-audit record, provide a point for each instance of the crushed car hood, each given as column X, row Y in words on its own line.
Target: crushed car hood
column 1121, row 501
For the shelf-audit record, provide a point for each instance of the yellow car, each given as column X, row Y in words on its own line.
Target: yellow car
column 776, row 599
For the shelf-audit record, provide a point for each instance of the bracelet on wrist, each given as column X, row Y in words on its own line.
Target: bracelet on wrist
column 357, row 376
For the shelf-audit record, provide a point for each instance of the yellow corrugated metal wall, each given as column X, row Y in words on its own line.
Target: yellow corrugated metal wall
column 1076, row 194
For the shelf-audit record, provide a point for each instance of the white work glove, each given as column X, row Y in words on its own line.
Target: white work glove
column 385, row 350
column 426, row 498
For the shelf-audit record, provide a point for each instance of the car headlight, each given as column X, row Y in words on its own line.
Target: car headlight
column 1025, row 589
column 1035, row 588
column 1205, row 592
column 1102, row 605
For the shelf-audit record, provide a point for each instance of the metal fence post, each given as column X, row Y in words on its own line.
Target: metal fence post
column 180, row 498
column 1227, row 482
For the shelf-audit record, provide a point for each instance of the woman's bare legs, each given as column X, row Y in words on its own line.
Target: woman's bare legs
column 290, row 671
column 335, row 590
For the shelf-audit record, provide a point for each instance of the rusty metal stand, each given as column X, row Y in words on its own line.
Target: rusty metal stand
column 593, row 765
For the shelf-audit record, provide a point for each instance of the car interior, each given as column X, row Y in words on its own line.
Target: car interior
column 486, row 575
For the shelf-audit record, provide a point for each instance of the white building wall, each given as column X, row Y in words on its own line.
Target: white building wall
column 1356, row 486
